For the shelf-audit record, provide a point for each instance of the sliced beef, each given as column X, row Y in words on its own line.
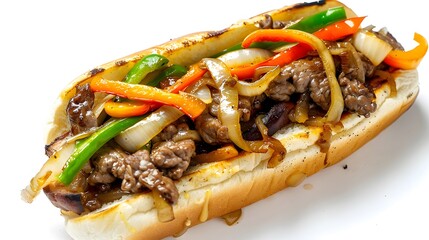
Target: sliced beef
column 211, row 129
column 138, row 172
column 303, row 71
column 79, row 110
column 320, row 92
column 296, row 78
column 274, row 120
column 357, row 97
column 280, row 89
column 173, row 157
column 103, row 163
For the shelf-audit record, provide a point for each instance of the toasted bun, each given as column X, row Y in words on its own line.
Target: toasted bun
column 212, row 190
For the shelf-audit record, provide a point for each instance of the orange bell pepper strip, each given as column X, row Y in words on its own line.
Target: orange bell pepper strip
column 194, row 74
column 332, row 32
column 136, row 108
column 408, row 59
column 189, row 104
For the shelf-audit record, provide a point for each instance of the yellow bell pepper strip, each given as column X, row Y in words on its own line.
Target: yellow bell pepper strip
column 408, row 59
column 189, row 104
column 126, row 108
column 332, row 32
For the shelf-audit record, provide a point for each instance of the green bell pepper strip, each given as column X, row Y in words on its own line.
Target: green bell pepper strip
column 308, row 24
column 145, row 66
column 172, row 71
column 87, row 147
column 320, row 20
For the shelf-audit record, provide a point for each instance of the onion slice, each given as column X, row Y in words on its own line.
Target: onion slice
column 371, row 46
column 142, row 132
column 245, row 57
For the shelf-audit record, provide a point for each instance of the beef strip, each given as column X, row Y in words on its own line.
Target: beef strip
column 103, row 162
column 320, row 92
column 308, row 75
column 211, row 129
column 274, row 120
column 280, row 88
column 137, row 172
column 357, row 97
column 79, row 110
column 173, row 157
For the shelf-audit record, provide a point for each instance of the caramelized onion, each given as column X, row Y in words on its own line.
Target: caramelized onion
column 250, row 89
column 220, row 154
column 273, row 143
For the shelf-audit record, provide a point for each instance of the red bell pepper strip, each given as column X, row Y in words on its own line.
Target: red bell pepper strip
column 408, row 59
column 332, row 32
column 189, row 104
column 340, row 29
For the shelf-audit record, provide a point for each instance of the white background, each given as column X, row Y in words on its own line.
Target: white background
column 45, row 44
